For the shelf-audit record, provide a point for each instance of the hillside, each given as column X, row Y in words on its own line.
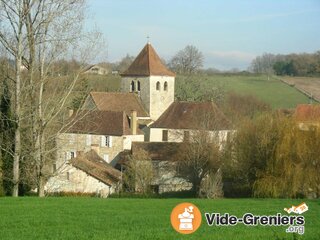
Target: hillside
column 272, row 91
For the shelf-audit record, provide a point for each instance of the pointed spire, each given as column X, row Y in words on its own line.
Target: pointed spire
column 148, row 63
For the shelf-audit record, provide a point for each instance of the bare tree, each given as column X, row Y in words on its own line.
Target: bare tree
column 197, row 158
column 12, row 38
column 125, row 63
column 45, row 32
column 139, row 172
column 53, row 28
column 187, row 61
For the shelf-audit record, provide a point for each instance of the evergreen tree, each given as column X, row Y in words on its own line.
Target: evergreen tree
column 7, row 140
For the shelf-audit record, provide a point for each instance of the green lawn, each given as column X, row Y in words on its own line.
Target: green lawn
column 272, row 90
column 94, row 218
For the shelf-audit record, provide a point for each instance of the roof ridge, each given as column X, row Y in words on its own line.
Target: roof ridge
column 148, row 58
column 112, row 92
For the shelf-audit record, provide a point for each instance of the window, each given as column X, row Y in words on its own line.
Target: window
column 165, row 135
column 71, row 154
column 139, row 88
column 158, row 86
column 186, row 136
column 106, row 141
column 132, row 87
column 88, row 140
column 54, row 167
column 165, row 86
column 68, row 176
column 106, row 157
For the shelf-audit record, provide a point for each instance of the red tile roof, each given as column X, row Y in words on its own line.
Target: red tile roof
column 148, row 63
column 110, row 101
column 99, row 123
column 307, row 112
column 193, row 115
column 92, row 164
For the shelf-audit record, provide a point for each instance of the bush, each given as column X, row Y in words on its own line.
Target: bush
column 133, row 195
column 179, row 194
column 71, row 194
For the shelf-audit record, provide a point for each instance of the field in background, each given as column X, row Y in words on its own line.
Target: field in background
column 272, row 91
column 94, row 218
column 308, row 85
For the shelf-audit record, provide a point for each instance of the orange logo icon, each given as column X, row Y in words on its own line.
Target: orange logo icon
column 185, row 218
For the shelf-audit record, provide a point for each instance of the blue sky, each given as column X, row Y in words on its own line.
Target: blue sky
column 230, row 33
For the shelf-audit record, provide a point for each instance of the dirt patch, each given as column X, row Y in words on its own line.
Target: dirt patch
column 307, row 85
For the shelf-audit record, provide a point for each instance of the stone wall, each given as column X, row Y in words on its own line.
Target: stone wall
column 166, row 178
column 69, row 142
column 177, row 135
column 154, row 101
column 71, row 179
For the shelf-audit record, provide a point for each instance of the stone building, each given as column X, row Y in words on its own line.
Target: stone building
column 182, row 119
column 96, row 69
column 85, row 173
column 143, row 115
column 151, row 80
column 165, row 177
column 106, row 133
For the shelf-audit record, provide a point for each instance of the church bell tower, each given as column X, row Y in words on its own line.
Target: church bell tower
column 151, row 80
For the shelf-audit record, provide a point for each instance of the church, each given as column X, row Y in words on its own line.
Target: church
column 144, row 115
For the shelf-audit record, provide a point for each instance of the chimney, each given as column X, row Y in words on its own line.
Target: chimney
column 70, row 112
column 96, row 148
column 133, row 122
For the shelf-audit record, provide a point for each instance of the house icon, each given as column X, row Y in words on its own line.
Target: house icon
column 186, row 219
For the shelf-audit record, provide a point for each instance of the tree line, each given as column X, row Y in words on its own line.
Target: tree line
column 303, row 64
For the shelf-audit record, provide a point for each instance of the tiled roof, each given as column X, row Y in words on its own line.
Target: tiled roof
column 108, row 101
column 147, row 63
column 157, row 150
column 99, row 123
column 92, row 164
column 307, row 112
column 193, row 115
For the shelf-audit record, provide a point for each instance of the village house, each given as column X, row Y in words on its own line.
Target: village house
column 85, row 173
column 183, row 119
column 162, row 155
column 96, row 69
column 144, row 116
column 107, row 133
column 307, row 116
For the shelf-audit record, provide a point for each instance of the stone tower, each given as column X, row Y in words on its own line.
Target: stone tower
column 151, row 80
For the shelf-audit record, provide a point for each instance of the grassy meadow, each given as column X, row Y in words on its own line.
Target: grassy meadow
column 272, row 90
column 94, row 218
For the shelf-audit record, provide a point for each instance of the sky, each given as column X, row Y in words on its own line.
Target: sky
column 229, row 33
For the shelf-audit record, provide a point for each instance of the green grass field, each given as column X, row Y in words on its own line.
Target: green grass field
column 94, row 218
column 272, row 91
